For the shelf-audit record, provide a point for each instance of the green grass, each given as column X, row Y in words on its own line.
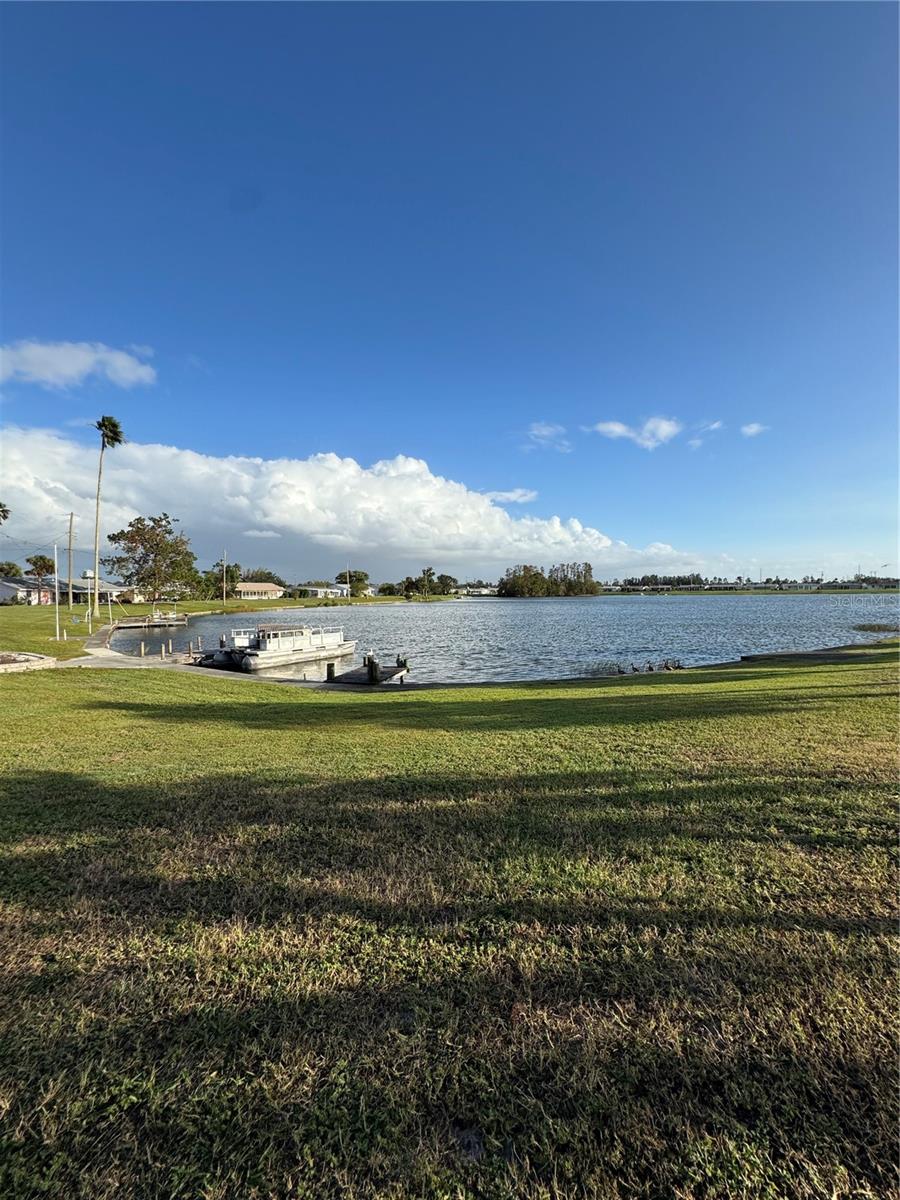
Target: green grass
column 630, row 938
column 32, row 628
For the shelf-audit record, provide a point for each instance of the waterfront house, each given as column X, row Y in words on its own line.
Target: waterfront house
column 318, row 593
column 24, row 591
column 251, row 590
column 343, row 591
column 136, row 595
column 334, row 591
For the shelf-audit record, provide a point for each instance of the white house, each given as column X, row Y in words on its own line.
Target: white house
column 321, row 593
column 335, row 591
column 25, row 591
column 343, row 590
column 251, row 590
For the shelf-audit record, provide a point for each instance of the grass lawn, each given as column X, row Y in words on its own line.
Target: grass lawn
column 32, row 628
column 628, row 938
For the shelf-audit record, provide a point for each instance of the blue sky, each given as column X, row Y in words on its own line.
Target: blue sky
column 426, row 230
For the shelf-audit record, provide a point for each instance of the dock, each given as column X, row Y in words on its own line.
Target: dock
column 371, row 673
column 155, row 622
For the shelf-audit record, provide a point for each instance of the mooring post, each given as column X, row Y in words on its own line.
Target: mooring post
column 143, row 649
column 162, row 650
column 170, row 645
column 199, row 643
column 190, row 647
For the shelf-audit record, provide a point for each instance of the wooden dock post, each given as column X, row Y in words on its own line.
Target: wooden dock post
column 143, row 649
column 162, row 650
column 190, row 647
column 199, row 644
column 170, row 645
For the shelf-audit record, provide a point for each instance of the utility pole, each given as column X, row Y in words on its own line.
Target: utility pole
column 71, row 522
column 224, row 556
column 56, row 586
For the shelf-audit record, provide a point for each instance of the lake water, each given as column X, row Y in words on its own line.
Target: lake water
column 553, row 639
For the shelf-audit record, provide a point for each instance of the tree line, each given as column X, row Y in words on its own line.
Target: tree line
column 566, row 579
column 154, row 556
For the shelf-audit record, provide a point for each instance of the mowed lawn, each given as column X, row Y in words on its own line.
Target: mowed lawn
column 631, row 938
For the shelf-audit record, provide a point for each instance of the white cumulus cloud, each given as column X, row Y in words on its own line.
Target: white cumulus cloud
column 654, row 432
column 754, row 429
column 63, row 365
column 513, row 496
column 392, row 514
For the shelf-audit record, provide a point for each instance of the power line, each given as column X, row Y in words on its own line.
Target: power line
column 33, row 545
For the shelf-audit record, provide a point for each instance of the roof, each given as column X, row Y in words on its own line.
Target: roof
column 87, row 585
column 258, row 587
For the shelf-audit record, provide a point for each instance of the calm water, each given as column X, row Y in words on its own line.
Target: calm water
column 546, row 639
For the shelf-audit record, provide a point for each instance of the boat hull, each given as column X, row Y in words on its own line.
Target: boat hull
column 263, row 660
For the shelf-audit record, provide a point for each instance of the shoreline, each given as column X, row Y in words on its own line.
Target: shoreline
column 104, row 657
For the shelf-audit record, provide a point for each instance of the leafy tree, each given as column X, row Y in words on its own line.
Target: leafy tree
column 523, row 581
column 111, row 435
column 408, row 586
column 152, row 555
column 389, row 589
column 425, row 585
column 446, row 584
column 262, row 575
column 359, row 581
column 10, row 570
column 4, row 512
column 41, row 566
column 210, row 583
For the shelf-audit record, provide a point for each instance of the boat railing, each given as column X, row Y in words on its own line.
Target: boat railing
column 313, row 631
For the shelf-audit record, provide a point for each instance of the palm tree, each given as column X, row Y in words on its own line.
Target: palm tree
column 110, row 435
column 4, row 512
column 41, row 567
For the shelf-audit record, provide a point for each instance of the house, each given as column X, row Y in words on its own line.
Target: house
column 251, row 590
column 137, row 595
column 335, row 591
column 321, row 593
column 83, row 589
column 25, row 591
column 343, row 590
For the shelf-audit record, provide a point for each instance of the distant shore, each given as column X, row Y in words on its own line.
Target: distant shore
column 649, row 591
